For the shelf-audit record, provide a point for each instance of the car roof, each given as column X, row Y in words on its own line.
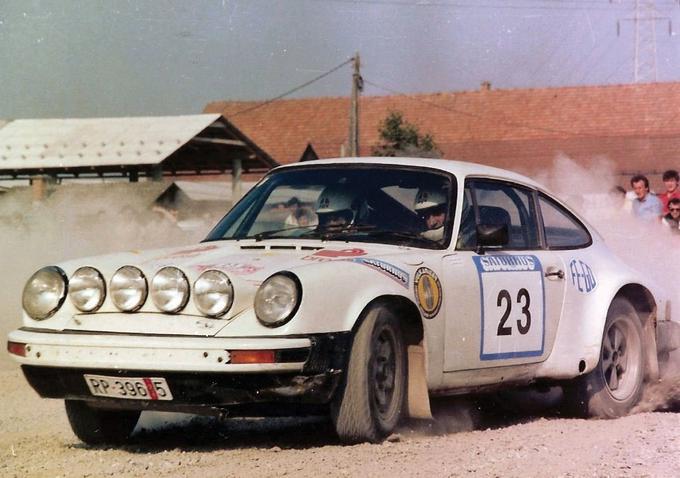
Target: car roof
column 459, row 168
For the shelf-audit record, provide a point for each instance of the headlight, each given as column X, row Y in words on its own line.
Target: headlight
column 87, row 289
column 128, row 289
column 170, row 290
column 277, row 299
column 44, row 293
column 213, row 293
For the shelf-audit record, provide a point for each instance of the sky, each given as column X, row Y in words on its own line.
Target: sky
column 101, row 58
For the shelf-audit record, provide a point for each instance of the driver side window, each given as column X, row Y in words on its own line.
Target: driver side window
column 488, row 202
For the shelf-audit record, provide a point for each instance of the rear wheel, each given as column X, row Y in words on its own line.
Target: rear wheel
column 615, row 385
column 98, row 426
column 370, row 405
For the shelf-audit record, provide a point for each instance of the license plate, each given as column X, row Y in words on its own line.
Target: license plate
column 132, row 388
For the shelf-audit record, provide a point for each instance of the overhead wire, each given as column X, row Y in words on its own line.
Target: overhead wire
column 489, row 4
column 478, row 116
column 588, row 72
column 584, row 65
column 293, row 90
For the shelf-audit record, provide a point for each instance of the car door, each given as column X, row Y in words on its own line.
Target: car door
column 504, row 301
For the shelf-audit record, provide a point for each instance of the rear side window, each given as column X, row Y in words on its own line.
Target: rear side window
column 562, row 229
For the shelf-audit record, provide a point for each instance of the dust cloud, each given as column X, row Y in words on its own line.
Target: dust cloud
column 77, row 221
column 651, row 248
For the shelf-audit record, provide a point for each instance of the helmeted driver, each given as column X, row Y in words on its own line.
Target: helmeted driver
column 334, row 208
column 430, row 204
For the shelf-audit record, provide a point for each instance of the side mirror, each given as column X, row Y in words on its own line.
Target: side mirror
column 492, row 235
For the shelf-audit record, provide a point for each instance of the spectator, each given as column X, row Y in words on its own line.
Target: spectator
column 646, row 206
column 293, row 205
column 304, row 217
column 670, row 180
column 672, row 219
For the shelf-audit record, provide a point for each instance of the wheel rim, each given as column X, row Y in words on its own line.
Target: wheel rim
column 621, row 359
column 384, row 372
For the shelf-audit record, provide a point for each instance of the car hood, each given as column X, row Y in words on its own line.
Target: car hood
column 246, row 263
column 243, row 260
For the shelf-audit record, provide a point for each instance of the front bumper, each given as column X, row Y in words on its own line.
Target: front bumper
column 198, row 370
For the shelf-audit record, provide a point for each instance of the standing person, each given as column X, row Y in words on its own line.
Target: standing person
column 293, row 205
column 646, row 206
column 672, row 219
column 671, row 179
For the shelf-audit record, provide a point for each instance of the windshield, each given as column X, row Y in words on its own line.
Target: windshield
column 383, row 204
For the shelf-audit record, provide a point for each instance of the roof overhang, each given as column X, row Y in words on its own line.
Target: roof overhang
column 167, row 145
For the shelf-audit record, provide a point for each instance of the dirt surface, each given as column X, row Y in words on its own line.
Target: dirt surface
column 36, row 441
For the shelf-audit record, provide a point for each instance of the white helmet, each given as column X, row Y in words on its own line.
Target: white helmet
column 427, row 198
column 334, row 199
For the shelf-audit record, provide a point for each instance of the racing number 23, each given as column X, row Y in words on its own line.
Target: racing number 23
column 505, row 300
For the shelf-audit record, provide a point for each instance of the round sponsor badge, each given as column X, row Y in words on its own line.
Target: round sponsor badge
column 428, row 292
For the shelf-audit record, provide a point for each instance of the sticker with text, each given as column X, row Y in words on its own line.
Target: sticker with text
column 582, row 277
column 512, row 306
column 391, row 271
column 428, row 291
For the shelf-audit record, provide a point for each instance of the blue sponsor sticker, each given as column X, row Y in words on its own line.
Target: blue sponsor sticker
column 582, row 276
column 391, row 271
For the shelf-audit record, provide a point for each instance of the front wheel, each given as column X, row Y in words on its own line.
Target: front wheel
column 370, row 405
column 96, row 426
column 615, row 385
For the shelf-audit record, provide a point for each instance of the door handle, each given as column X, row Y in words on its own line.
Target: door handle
column 554, row 273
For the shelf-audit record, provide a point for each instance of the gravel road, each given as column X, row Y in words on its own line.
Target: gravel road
column 36, row 441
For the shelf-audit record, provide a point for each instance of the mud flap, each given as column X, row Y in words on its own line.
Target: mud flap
column 667, row 336
column 418, row 398
column 651, row 351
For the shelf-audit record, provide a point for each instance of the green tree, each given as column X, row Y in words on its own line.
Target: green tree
column 401, row 138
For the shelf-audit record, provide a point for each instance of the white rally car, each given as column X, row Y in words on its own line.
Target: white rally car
column 354, row 287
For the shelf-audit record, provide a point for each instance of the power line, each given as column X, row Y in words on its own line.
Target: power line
column 585, row 65
column 591, row 5
column 477, row 116
column 291, row 91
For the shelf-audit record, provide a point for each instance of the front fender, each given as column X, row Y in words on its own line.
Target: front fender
column 334, row 293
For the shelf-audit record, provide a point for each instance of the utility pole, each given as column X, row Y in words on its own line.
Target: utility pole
column 357, row 86
column 645, row 22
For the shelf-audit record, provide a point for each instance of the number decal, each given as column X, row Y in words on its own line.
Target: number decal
column 502, row 328
column 512, row 321
column 524, row 299
column 523, row 293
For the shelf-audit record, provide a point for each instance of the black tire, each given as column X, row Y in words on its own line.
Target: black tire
column 97, row 426
column 369, row 406
column 615, row 385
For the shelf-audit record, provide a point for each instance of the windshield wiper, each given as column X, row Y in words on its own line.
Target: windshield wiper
column 267, row 234
column 372, row 231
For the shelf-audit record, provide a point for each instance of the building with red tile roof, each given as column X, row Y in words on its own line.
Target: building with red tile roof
column 636, row 126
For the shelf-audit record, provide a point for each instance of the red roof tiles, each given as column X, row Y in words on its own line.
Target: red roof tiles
column 636, row 126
